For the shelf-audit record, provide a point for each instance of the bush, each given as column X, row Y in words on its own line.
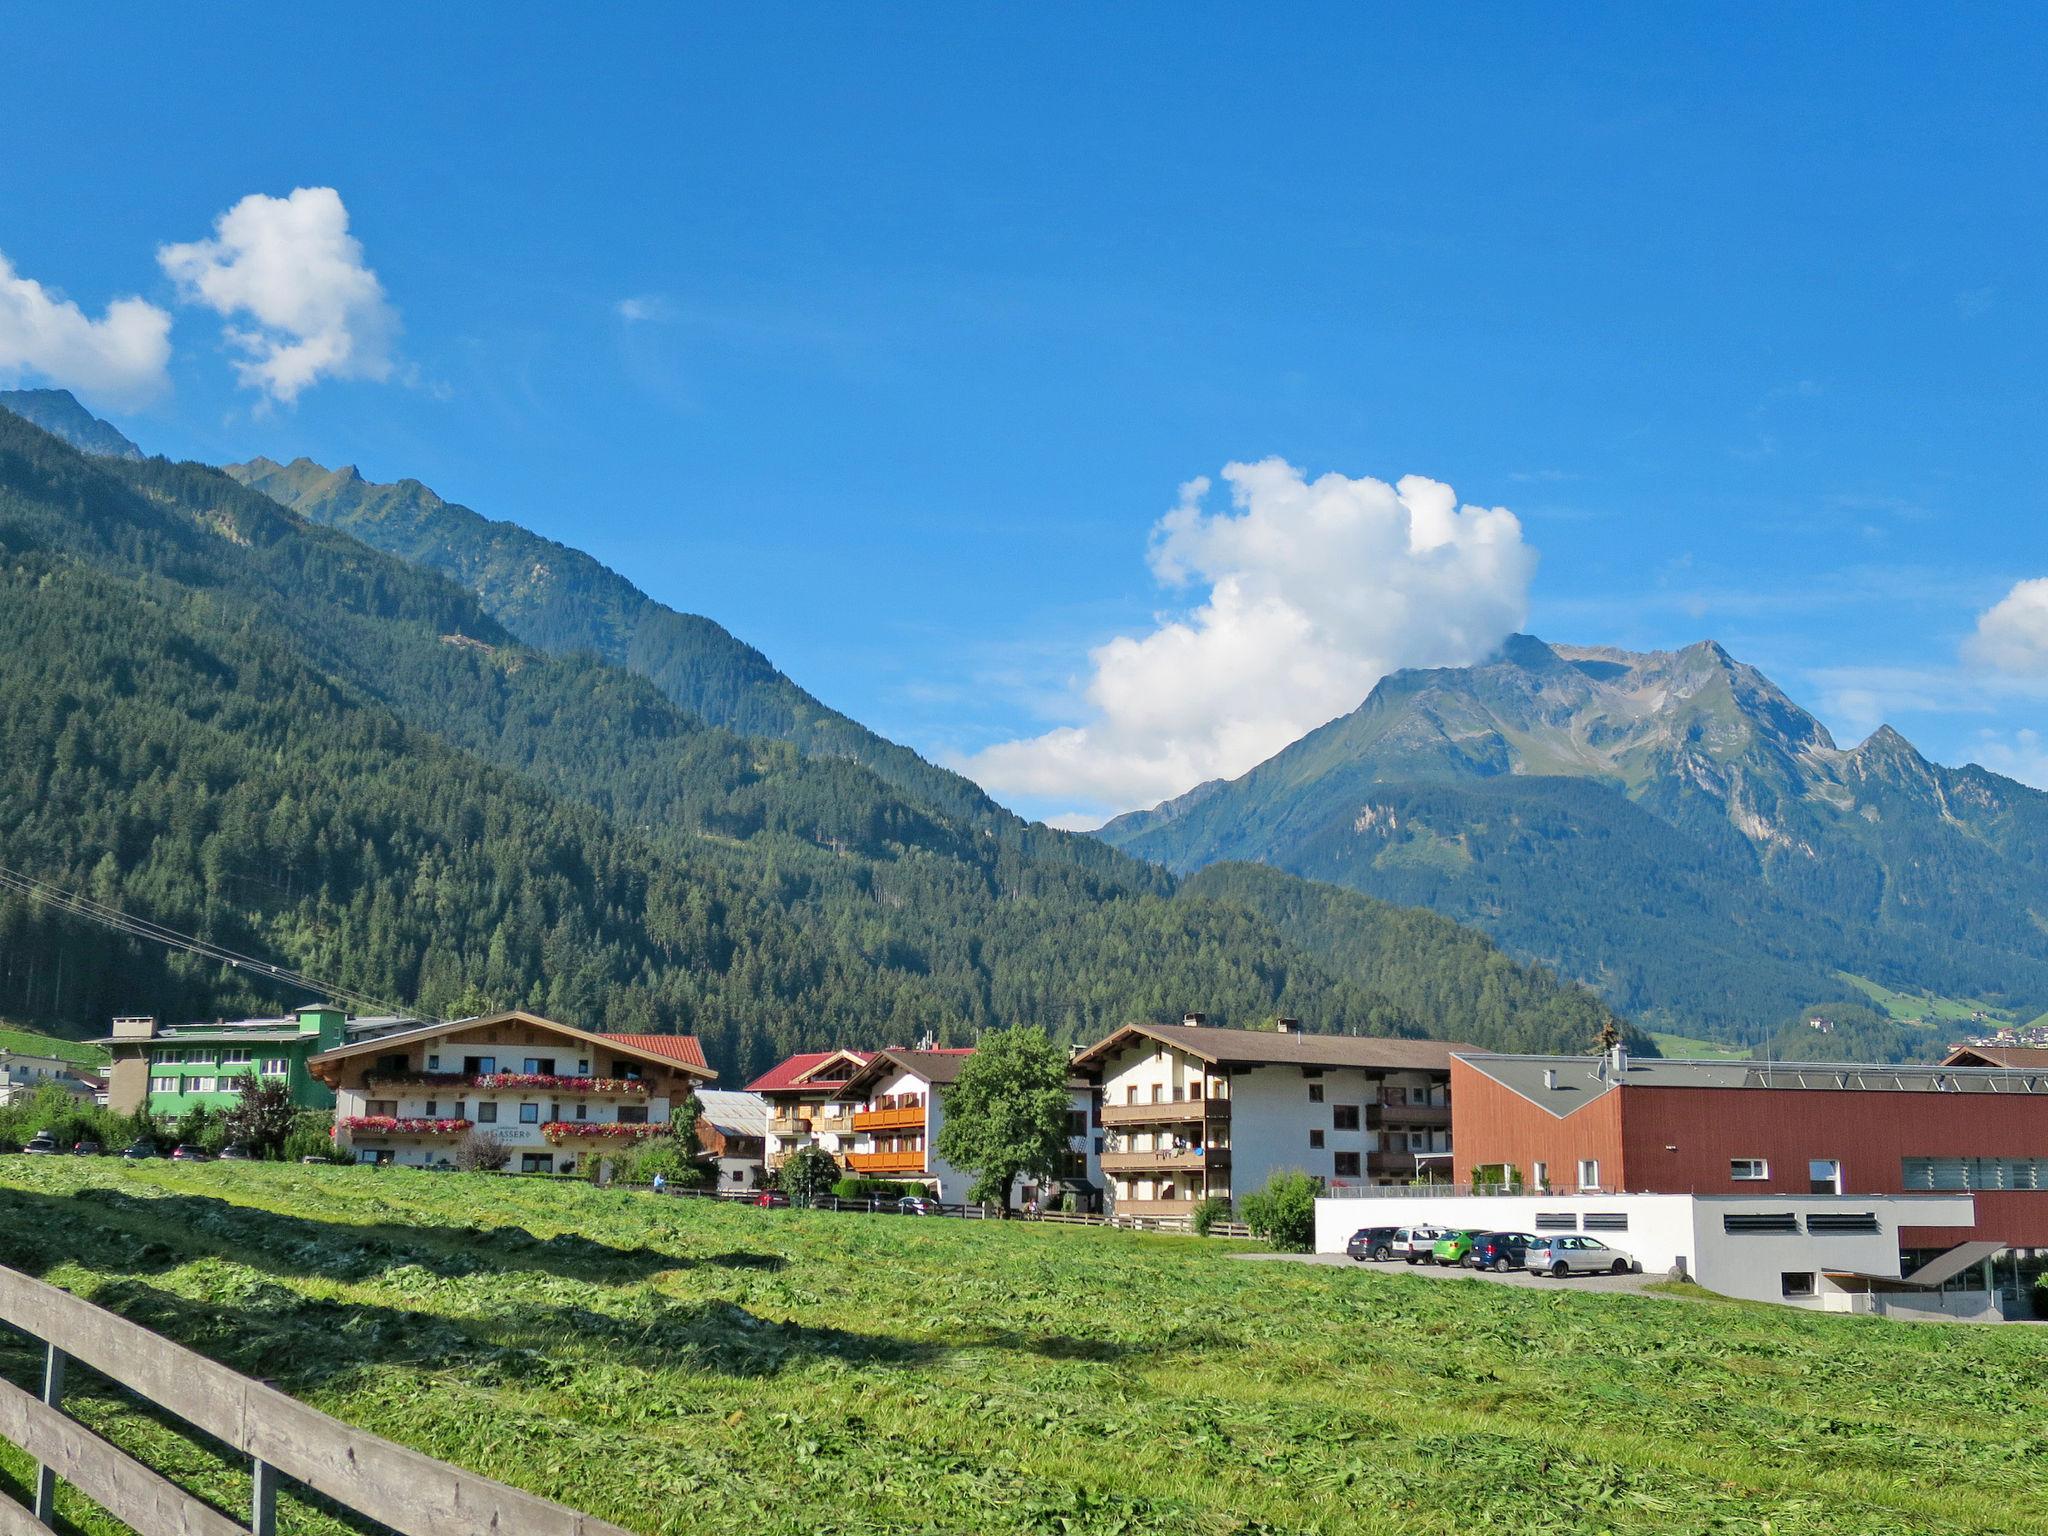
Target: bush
column 1284, row 1212
column 482, row 1152
column 1210, row 1211
column 664, row 1155
column 806, row 1174
column 880, row 1189
column 312, row 1136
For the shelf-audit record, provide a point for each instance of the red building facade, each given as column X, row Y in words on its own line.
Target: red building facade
column 1709, row 1128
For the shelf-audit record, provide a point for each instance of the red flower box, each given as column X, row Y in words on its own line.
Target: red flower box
column 555, row 1131
column 393, row 1125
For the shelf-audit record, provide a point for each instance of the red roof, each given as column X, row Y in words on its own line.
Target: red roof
column 786, row 1075
column 683, row 1048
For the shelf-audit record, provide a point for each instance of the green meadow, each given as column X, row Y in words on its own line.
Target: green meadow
column 676, row 1366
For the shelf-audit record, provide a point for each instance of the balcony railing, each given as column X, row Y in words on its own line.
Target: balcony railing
column 1180, row 1112
column 1380, row 1117
column 1395, row 1162
column 792, row 1125
column 886, row 1162
column 1191, row 1159
column 902, row 1118
column 1154, row 1208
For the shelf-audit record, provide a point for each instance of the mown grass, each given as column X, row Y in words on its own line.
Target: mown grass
column 675, row 1366
column 1918, row 1007
column 30, row 1043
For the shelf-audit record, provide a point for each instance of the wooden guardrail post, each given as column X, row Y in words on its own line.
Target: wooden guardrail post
column 53, row 1397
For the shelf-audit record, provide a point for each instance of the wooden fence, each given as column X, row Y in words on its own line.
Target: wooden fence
column 283, row 1438
column 887, row 1205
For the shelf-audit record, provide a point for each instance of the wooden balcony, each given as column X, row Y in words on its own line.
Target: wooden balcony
column 789, row 1125
column 1402, row 1163
column 1184, row 1112
column 909, row 1119
column 885, row 1164
column 1382, row 1117
column 832, row 1125
column 1192, row 1160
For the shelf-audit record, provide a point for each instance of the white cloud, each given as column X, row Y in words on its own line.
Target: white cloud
column 2012, row 634
column 45, row 336
column 646, row 306
column 2023, row 756
column 1315, row 591
column 289, row 271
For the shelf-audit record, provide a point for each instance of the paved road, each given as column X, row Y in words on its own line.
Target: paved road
column 1459, row 1272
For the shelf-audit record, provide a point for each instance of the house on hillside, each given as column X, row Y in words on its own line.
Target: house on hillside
column 22, row 1074
column 900, row 1099
column 806, row 1105
column 1192, row 1113
column 552, row 1093
column 732, row 1135
column 168, row 1069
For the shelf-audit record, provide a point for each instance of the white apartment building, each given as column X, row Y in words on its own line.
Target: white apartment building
column 1189, row 1112
column 21, row 1074
column 553, row 1094
column 806, row 1106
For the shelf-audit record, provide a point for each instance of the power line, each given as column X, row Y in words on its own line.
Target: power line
column 71, row 902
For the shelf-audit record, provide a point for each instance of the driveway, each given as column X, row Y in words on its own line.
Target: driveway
column 1459, row 1272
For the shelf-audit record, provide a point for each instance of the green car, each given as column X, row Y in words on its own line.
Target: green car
column 1453, row 1247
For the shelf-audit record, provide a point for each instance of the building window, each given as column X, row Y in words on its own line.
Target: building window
column 1315, row 1139
column 632, row 1114
column 536, row 1162
column 276, row 1066
column 1345, row 1117
column 1748, row 1168
column 1539, row 1175
column 1315, row 1093
column 540, row 1066
column 1158, row 1093
column 169, row 1058
column 204, row 1085
column 234, row 1058
column 583, row 1066
column 1824, row 1176
column 1796, row 1282
column 487, row 1114
column 433, row 1109
column 433, row 1063
column 381, row 1107
column 163, row 1085
column 1589, row 1173
column 479, row 1066
column 582, row 1111
column 1347, row 1165
column 529, row 1114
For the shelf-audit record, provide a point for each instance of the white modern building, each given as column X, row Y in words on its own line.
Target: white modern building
column 21, row 1074
column 1189, row 1112
column 806, row 1105
column 1836, row 1253
column 552, row 1094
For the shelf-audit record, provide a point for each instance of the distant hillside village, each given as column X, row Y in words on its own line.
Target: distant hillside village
column 1843, row 1185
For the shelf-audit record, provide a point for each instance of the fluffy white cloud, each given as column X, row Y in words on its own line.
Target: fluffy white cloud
column 121, row 356
column 2022, row 756
column 290, row 278
column 2012, row 634
column 1315, row 591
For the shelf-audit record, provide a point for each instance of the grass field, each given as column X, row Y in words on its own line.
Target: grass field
column 1691, row 1048
column 679, row 1367
column 1912, row 1007
column 29, row 1043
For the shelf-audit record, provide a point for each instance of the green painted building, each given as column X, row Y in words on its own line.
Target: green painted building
column 169, row 1069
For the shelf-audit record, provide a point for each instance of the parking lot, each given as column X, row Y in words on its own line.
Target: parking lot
column 1459, row 1272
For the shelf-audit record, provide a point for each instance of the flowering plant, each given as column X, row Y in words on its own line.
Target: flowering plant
column 566, row 1084
column 555, row 1130
column 418, row 1079
column 395, row 1125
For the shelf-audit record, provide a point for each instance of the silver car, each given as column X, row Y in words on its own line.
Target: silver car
column 1418, row 1244
column 1562, row 1255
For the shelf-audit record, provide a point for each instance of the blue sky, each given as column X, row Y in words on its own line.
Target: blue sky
column 888, row 336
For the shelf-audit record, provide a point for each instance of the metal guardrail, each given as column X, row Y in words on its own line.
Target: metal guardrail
column 397, row 1487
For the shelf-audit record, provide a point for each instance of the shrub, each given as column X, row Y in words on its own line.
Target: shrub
column 880, row 1189
column 807, row 1173
column 1210, row 1211
column 1284, row 1212
column 482, row 1152
column 311, row 1137
column 261, row 1118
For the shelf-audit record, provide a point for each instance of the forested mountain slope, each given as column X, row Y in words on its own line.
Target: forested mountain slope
column 1668, row 827
column 559, row 599
column 252, row 727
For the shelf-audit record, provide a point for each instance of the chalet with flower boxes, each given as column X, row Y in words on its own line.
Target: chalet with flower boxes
column 552, row 1093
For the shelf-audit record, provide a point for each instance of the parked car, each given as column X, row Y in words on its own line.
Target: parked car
column 1499, row 1251
column 918, row 1205
column 1565, row 1254
column 1417, row 1243
column 769, row 1198
column 42, row 1144
column 1376, row 1243
column 140, row 1151
column 235, row 1152
column 185, row 1153
column 1453, row 1246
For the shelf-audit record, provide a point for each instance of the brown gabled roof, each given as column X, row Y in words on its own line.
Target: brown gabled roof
column 2028, row 1058
column 1270, row 1048
column 938, row 1067
column 666, row 1056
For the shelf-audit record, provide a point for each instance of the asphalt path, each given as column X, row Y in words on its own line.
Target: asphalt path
column 1460, row 1272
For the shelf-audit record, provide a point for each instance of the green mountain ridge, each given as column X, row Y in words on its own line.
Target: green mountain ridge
column 250, row 726
column 1667, row 827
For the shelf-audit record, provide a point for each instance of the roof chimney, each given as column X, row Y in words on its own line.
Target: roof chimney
column 1289, row 1026
column 1194, row 1020
column 1550, row 1077
column 1618, row 1062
